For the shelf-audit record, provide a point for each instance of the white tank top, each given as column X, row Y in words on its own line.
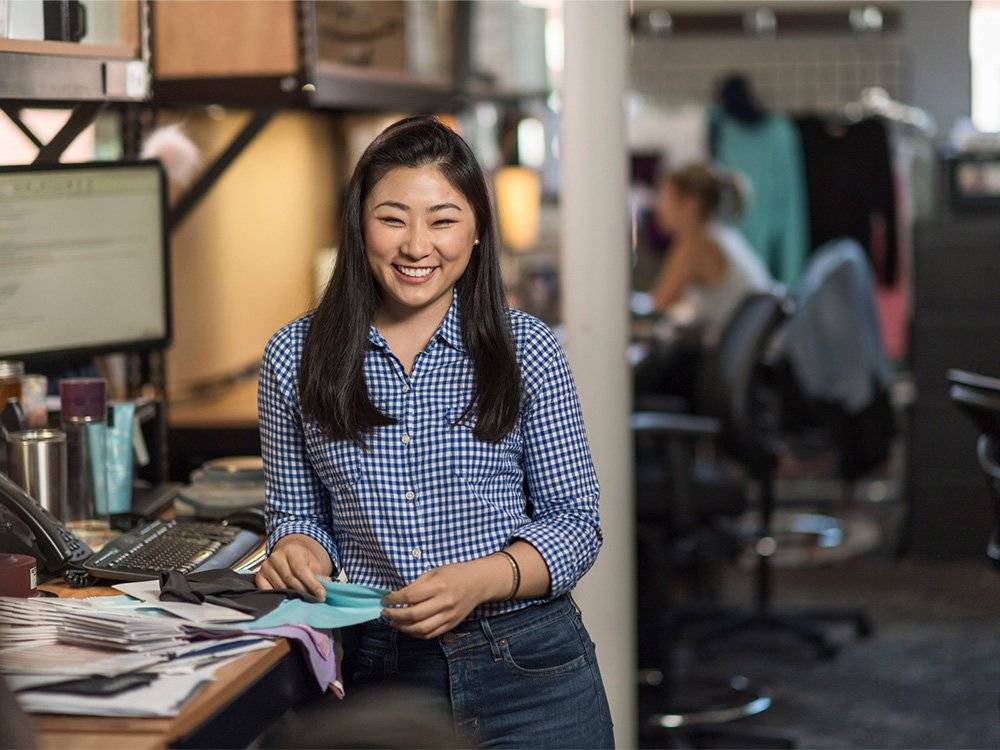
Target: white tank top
column 710, row 306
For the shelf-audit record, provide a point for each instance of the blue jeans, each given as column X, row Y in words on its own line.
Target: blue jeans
column 527, row 679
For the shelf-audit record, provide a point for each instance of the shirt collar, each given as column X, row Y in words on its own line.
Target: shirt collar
column 375, row 338
column 450, row 330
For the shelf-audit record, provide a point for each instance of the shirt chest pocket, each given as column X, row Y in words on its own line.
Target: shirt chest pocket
column 479, row 461
column 337, row 462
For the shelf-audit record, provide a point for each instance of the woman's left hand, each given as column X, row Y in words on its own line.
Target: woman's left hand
column 441, row 598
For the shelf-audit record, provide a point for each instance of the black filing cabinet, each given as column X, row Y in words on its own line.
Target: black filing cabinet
column 956, row 323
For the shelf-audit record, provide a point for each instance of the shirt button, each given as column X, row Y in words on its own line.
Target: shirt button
column 409, row 496
column 406, row 389
column 406, row 439
column 416, row 552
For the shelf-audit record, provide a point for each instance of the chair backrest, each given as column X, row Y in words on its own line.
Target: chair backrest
column 732, row 387
column 981, row 405
column 979, row 398
column 834, row 339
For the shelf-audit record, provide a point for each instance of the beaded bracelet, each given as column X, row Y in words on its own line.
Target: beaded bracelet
column 516, row 570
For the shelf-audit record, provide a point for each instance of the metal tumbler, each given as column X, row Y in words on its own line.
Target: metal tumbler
column 36, row 460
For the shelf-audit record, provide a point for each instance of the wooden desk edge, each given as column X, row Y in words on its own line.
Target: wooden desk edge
column 230, row 681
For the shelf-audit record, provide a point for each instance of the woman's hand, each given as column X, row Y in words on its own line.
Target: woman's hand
column 294, row 563
column 441, row 598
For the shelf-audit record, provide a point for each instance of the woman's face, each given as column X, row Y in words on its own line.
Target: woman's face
column 419, row 233
column 676, row 213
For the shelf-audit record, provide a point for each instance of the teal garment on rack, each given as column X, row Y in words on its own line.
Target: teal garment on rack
column 345, row 604
column 776, row 222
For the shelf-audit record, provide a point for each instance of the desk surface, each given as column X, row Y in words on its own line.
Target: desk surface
column 85, row 732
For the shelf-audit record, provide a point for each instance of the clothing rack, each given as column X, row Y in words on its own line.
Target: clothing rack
column 876, row 101
column 766, row 22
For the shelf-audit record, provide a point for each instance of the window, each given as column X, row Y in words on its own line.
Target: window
column 984, row 30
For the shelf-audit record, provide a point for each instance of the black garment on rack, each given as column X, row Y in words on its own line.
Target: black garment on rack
column 850, row 187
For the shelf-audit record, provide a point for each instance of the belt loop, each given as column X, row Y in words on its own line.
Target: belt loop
column 484, row 623
column 575, row 605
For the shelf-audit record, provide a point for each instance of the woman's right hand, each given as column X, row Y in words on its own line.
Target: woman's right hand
column 294, row 563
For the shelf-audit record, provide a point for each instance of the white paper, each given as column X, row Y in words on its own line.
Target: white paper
column 78, row 622
column 149, row 591
column 108, row 640
column 73, row 661
column 164, row 697
column 209, row 664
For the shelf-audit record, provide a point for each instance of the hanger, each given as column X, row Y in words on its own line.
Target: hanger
column 875, row 101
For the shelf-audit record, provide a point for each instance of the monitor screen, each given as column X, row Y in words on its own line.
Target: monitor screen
column 83, row 259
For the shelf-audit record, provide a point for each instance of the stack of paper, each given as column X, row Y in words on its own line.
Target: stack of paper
column 42, row 635
column 164, row 697
column 78, row 623
column 86, row 639
column 179, row 675
column 26, row 666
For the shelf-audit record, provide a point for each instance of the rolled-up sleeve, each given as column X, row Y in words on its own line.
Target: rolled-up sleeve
column 560, row 478
column 297, row 500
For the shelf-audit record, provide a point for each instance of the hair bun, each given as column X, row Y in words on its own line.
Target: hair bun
column 721, row 194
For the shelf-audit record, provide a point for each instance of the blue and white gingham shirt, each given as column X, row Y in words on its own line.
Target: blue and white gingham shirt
column 427, row 493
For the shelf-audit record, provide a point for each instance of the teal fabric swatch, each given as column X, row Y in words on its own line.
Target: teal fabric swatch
column 345, row 604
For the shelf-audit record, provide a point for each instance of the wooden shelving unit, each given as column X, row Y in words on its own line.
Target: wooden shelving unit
column 200, row 59
column 54, row 72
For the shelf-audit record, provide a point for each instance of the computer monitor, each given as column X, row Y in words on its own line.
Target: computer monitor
column 83, row 259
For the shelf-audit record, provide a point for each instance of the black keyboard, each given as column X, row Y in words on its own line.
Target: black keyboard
column 143, row 553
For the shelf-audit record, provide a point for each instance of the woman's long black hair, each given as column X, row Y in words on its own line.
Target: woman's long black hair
column 332, row 387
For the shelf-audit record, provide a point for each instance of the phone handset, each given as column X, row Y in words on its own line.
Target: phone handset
column 53, row 544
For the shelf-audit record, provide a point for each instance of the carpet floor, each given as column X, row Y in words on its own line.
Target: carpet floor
column 929, row 676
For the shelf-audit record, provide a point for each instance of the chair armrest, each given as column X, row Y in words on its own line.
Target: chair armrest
column 674, row 425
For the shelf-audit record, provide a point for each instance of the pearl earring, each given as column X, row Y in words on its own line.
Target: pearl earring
column 476, row 242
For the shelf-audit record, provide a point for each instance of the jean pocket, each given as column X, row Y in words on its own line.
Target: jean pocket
column 362, row 669
column 554, row 648
column 367, row 668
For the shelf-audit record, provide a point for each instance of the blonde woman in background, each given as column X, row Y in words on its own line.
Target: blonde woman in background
column 711, row 267
column 709, row 270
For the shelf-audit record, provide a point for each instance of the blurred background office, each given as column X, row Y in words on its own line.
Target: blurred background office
column 764, row 231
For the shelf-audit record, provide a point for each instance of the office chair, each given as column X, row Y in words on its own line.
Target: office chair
column 691, row 531
column 978, row 396
column 737, row 391
column 686, row 517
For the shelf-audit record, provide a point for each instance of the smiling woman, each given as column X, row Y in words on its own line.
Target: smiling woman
column 397, row 215
column 419, row 436
column 417, row 250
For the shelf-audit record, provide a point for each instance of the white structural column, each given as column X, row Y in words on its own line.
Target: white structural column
column 594, row 284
